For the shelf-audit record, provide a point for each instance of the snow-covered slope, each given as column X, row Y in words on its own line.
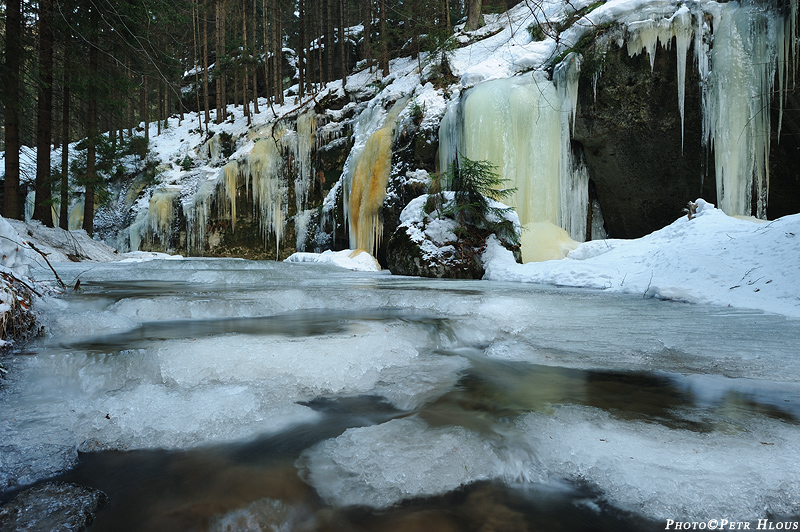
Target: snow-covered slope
column 712, row 258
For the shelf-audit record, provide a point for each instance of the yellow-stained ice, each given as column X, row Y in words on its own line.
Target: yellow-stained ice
column 369, row 189
column 543, row 241
column 368, row 185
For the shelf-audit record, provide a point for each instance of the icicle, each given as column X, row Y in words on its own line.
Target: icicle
column 683, row 30
column 368, row 122
column 155, row 221
column 230, row 175
column 301, row 221
column 598, row 228
column 306, row 128
column 450, row 136
column 263, row 168
column 574, row 179
column 566, row 75
column 214, row 149
column 643, row 36
column 736, row 61
column 196, row 211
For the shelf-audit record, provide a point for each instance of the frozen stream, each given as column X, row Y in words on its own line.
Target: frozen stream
column 235, row 395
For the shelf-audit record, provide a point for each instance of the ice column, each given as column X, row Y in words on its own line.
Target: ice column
column 196, row 210
column 306, row 129
column 737, row 95
column 156, row 220
column 515, row 124
column 573, row 176
column 522, row 126
column 230, row 176
column 262, row 169
column 367, row 188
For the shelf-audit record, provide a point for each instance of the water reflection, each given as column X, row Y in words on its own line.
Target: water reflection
column 301, row 323
column 157, row 490
column 256, row 486
column 503, row 389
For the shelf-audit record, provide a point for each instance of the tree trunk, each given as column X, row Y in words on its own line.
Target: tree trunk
column 384, row 40
column 11, row 204
column 218, row 62
column 255, row 54
column 474, row 16
column 224, row 57
column 245, row 59
column 342, row 44
column 131, row 102
column 368, row 33
column 319, row 33
column 91, row 127
column 329, row 47
column 279, row 58
column 160, row 117
column 205, row 67
column 196, row 62
column 63, row 218
column 267, row 49
column 301, row 48
column 145, row 108
column 43, row 209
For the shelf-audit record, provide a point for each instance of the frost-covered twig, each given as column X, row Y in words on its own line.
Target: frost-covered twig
column 44, row 256
column 649, row 283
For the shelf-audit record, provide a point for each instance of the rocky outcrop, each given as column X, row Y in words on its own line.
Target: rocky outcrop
column 52, row 506
column 644, row 165
column 784, row 167
column 430, row 243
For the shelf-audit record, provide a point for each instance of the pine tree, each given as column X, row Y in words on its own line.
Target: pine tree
column 473, row 184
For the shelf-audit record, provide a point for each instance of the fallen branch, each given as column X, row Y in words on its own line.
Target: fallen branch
column 10, row 277
column 44, row 256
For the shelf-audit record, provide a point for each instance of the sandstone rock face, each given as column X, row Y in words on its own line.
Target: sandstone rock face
column 784, row 167
column 630, row 133
column 643, row 170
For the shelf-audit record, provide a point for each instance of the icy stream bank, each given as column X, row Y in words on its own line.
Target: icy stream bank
column 318, row 389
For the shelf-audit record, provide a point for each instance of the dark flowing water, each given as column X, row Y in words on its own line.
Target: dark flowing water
column 233, row 395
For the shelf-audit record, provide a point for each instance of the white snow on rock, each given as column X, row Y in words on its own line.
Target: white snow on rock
column 60, row 245
column 435, row 232
column 357, row 260
column 713, row 258
column 13, row 249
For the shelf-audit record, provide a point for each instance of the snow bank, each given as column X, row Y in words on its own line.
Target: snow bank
column 357, row 260
column 70, row 246
column 713, row 258
column 12, row 246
